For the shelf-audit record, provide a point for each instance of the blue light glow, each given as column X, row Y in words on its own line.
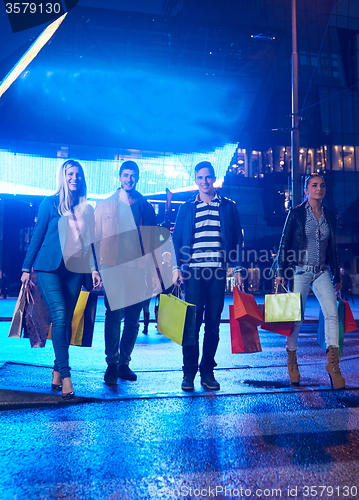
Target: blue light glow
column 36, row 175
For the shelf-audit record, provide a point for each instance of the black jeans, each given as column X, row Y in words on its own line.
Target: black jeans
column 116, row 351
column 60, row 289
column 204, row 287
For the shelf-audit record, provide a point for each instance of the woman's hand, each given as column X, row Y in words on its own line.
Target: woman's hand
column 279, row 280
column 96, row 279
column 25, row 278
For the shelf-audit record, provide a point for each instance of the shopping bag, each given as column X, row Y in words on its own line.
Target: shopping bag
column 78, row 318
column 176, row 319
column 244, row 335
column 157, row 304
column 349, row 321
column 281, row 307
column 245, row 307
column 283, row 328
column 83, row 320
column 18, row 317
column 37, row 318
column 321, row 329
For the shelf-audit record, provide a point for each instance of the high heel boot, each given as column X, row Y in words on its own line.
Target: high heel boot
column 293, row 370
column 146, row 320
column 336, row 378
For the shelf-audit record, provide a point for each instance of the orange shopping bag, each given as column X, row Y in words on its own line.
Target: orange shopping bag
column 246, row 308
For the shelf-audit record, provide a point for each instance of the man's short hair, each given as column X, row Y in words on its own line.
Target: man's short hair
column 205, row 164
column 130, row 165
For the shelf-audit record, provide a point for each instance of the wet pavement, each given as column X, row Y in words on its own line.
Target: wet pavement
column 185, row 448
column 258, row 437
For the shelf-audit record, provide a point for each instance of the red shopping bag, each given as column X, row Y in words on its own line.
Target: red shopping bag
column 246, row 308
column 244, row 335
column 349, row 321
column 284, row 328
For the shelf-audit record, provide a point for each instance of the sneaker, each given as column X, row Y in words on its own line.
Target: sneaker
column 125, row 372
column 187, row 383
column 111, row 376
column 209, row 382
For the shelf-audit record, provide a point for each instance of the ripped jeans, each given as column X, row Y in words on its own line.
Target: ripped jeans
column 323, row 289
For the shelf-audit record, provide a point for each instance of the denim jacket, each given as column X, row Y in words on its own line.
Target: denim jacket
column 45, row 252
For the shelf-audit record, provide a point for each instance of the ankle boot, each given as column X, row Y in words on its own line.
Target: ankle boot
column 336, row 378
column 146, row 320
column 293, row 370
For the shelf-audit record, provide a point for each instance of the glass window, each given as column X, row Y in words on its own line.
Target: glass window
column 348, row 158
column 337, row 160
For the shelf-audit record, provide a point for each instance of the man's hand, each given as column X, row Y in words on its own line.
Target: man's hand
column 177, row 279
column 238, row 279
column 25, row 278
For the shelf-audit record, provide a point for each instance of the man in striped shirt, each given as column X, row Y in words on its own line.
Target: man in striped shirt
column 207, row 239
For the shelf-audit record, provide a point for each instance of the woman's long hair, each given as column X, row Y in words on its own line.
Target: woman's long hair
column 65, row 205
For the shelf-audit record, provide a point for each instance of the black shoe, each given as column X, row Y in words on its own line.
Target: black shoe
column 111, row 375
column 209, row 382
column 125, row 372
column 55, row 387
column 187, row 383
column 68, row 395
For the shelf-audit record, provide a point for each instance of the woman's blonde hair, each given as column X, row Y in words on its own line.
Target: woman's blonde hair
column 65, row 205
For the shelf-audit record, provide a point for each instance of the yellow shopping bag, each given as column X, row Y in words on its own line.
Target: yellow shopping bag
column 83, row 320
column 280, row 307
column 78, row 319
column 176, row 319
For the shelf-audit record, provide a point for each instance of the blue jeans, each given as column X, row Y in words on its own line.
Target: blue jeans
column 116, row 351
column 323, row 289
column 204, row 287
column 60, row 290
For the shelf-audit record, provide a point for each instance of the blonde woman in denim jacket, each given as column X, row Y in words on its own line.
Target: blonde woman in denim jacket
column 60, row 280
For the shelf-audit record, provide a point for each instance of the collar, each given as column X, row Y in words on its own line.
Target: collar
column 217, row 197
column 137, row 195
column 308, row 207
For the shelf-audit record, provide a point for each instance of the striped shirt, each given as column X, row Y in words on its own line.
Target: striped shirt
column 317, row 234
column 206, row 247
